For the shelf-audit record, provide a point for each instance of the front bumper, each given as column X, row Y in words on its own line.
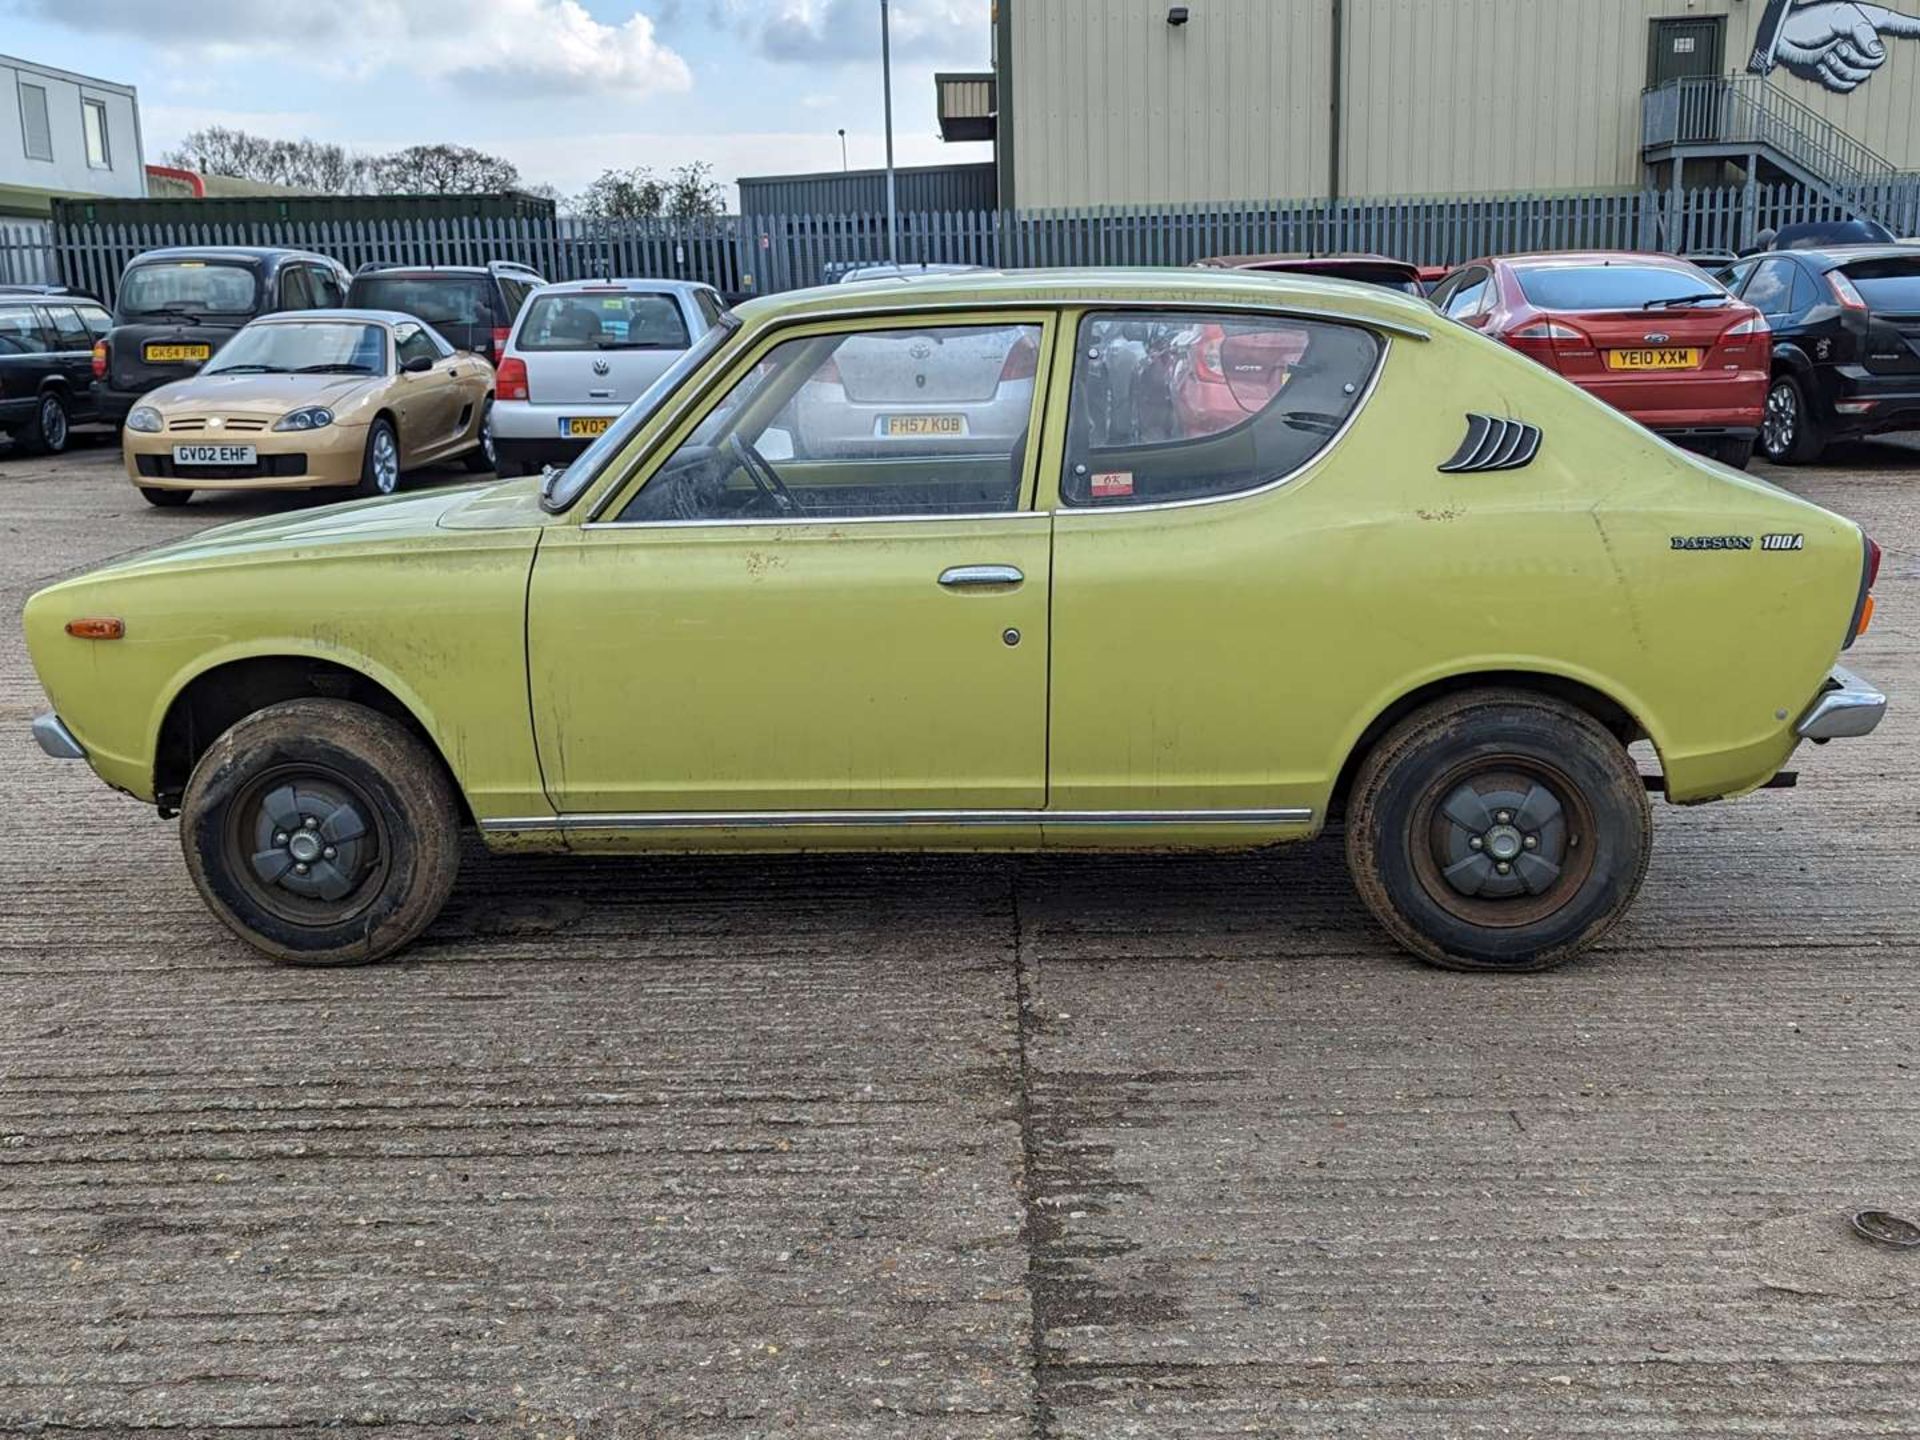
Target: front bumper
column 284, row 460
column 1848, row 706
column 53, row 737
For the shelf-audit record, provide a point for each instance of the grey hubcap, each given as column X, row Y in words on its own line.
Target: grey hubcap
column 1503, row 842
column 1781, row 422
column 386, row 462
column 486, row 435
column 311, row 841
column 53, row 423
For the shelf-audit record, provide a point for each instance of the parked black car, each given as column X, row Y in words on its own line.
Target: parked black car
column 46, row 367
column 472, row 306
column 1846, row 343
column 176, row 307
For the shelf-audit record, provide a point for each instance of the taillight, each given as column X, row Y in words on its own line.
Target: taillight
column 1023, row 360
column 827, row 374
column 99, row 359
column 1546, row 330
column 500, row 341
column 510, row 379
column 1863, row 607
column 1206, row 354
column 1754, row 324
column 1844, row 292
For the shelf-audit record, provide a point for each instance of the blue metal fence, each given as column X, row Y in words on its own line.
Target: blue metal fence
column 765, row 254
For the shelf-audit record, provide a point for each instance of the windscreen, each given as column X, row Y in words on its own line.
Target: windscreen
column 597, row 321
column 1612, row 287
column 440, row 300
column 192, row 287
column 335, row 348
column 1890, row 287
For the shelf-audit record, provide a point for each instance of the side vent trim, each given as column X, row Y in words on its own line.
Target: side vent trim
column 1494, row 443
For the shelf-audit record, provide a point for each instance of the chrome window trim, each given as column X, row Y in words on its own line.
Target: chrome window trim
column 1313, row 461
column 886, row 819
column 799, row 521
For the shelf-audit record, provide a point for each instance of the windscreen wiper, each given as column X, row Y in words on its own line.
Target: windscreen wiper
column 1696, row 299
column 173, row 312
column 248, row 370
column 332, row 367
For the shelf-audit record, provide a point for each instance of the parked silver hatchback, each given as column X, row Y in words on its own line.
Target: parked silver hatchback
column 580, row 352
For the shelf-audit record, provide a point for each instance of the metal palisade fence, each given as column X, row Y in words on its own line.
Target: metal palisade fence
column 763, row 254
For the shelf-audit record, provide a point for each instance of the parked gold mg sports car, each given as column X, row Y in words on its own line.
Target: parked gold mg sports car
column 802, row 595
column 311, row 399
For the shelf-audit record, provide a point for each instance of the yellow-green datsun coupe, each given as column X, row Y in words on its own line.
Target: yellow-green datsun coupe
column 1161, row 559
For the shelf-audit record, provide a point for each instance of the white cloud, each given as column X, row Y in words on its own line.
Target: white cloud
column 812, row 31
column 509, row 47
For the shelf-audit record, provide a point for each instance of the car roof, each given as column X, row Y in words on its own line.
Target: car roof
column 263, row 253
column 1835, row 255
column 665, row 287
column 1539, row 259
column 358, row 317
column 1186, row 288
column 1297, row 260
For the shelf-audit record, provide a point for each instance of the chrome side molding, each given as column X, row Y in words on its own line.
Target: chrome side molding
column 54, row 738
column 1849, row 706
column 883, row 819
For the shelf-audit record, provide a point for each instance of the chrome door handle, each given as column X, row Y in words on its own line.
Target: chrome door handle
column 962, row 577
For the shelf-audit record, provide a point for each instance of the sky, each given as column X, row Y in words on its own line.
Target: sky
column 563, row 88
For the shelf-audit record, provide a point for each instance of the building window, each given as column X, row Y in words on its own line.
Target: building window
column 94, row 114
column 34, row 126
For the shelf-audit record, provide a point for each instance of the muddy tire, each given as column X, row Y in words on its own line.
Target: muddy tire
column 321, row 832
column 1498, row 830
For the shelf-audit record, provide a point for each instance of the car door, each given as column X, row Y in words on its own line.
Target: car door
column 838, row 623
column 425, row 401
column 1187, row 560
column 73, row 349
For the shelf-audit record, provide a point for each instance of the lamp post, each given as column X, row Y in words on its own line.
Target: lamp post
column 843, row 149
column 886, row 90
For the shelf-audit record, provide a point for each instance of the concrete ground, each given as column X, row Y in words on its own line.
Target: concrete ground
column 970, row 1147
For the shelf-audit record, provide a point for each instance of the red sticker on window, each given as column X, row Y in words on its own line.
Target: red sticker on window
column 1112, row 483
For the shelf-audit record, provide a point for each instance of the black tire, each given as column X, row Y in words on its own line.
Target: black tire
column 1790, row 434
column 480, row 459
column 50, row 430
column 1736, row 453
column 165, row 499
column 369, row 799
column 380, row 467
column 1482, row 755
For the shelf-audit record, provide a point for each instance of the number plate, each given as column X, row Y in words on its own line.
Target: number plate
column 907, row 425
column 213, row 455
column 585, row 427
column 1653, row 359
column 176, row 354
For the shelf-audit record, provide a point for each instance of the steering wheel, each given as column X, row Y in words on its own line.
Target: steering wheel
column 765, row 478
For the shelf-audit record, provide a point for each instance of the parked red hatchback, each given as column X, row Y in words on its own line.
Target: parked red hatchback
column 1649, row 334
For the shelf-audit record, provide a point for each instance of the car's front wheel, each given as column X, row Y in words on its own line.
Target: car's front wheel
column 1498, row 830
column 165, row 499
column 380, row 465
column 49, row 430
column 1789, row 433
column 321, row 832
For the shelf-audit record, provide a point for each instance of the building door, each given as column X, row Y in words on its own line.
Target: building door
column 1691, row 49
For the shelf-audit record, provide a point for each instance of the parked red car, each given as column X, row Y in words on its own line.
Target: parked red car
column 1650, row 334
column 1381, row 270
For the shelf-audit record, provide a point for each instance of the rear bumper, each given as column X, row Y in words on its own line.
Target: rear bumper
column 1858, row 402
column 113, row 405
column 524, row 420
column 1846, row 707
column 52, row 735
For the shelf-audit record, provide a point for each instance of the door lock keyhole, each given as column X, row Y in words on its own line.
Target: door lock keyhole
column 1010, row 635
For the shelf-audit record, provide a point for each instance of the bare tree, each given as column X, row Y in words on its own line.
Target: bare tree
column 692, row 192
column 443, row 170
column 302, row 164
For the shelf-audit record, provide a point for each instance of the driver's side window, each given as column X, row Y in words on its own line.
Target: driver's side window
column 898, row 422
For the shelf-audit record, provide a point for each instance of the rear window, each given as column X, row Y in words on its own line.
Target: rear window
column 1888, row 286
column 599, row 321
column 436, row 299
column 193, row 287
column 1608, row 287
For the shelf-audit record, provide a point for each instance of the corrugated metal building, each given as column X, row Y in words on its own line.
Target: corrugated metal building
column 1102, row 102
column 842, row 192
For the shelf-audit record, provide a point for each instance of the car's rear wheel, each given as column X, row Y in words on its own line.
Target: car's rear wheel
column 165, row 499
column 380, row 467
column 1737, row 453
column 1498, row 830
column 480, row 459
column 321, row 832
column 1789, row 433
column 48, row 432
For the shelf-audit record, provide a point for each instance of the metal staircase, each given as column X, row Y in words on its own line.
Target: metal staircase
column 1750, row 120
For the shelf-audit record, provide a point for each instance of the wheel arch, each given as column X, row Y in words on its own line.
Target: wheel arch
column 1623, row 719
column 211, row 700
